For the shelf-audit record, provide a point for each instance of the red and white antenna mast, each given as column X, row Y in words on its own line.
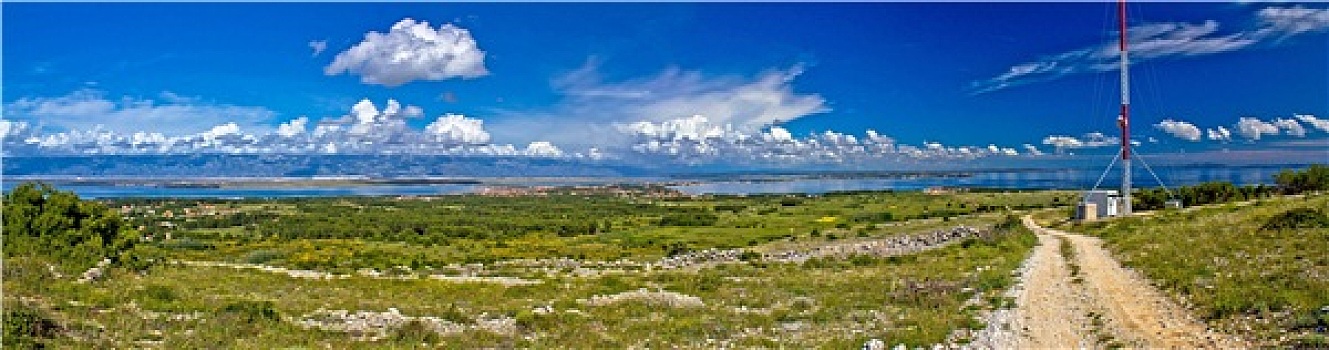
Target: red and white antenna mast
column 1124, row 121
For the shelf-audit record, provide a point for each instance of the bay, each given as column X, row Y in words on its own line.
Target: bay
column 808, row 183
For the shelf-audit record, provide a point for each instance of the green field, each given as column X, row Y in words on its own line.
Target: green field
column 352, row 233
column 568, row 270
column 473, row 271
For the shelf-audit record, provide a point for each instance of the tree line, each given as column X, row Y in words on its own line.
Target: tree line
column 1287, row 182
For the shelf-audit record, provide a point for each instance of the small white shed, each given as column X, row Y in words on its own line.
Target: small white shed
column 1105, row 203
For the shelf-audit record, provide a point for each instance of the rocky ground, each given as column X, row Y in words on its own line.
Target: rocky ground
column 477, row 272
column 369, row 325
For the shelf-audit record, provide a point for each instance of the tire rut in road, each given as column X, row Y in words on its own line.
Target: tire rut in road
column 1053, row 312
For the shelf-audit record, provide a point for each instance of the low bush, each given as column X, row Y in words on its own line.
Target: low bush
column 252, row 311
column 689, row 219
column 263, row 256
column 1297, row 218
column 187, row 244
column 27, row 327
column 160, row 292
column 415, row 332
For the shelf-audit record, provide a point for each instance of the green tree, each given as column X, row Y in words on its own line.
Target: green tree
column 1314, row 178
column 42, row 221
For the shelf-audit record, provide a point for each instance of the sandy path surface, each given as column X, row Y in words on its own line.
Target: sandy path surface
column 1053, row 312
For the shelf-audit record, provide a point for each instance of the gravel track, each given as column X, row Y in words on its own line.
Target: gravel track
column 1053, row 312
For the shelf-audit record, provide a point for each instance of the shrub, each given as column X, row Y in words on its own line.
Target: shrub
column 1010, row 223
column 730, row 207
column 1297, row 218
column 526, row 319
column 26, row 327
column 415, row 331
column 252, row 310
column 455, row 314
column 263, row 256
column 1310, row 341
column 689, row 219
column 159, row 293
column 42, row 221
column 864, row 260
column 968, row 243
column 676, row 248
column 187, row 244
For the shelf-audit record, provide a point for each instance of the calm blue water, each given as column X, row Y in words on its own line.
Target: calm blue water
column 1075, row 179
column 1032, row 179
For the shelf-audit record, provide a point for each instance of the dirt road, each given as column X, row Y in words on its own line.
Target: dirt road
column 1086, row 299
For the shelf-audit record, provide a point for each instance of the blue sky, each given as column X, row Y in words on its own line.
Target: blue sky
column 623, row 81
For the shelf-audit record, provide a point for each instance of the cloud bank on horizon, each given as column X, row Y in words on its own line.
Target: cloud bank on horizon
column 367, row 129
column 677, row 116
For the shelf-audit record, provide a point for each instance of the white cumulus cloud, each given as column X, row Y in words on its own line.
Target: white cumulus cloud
column 12, row 128
column 1218, row 134
column 543, row 149
column 1252, row 128
column 696, row 127
column 412, row 51
column 219, row 131
column 696, row 140
column 1060, row 141
column 1090, row 140
column 1032, row 150
column 1180, row 129
column 592, row 109
column 365, row 111
column 456, row 128
column 1290, row 127
column 365, row 129
column 777, row 135
column 835, row 138
column 1321, row 124
column 874, row 137
column 294, row 127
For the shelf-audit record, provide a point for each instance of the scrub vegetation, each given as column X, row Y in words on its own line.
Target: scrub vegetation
column 581, row 271
column 614, row 270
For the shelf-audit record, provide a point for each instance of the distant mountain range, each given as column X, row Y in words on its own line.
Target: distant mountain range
column 417, row 166
column 372, row 166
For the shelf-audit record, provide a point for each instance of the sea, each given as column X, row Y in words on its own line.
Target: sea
column 719, row 184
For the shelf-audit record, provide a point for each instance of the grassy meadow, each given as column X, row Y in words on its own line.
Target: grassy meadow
column 165, row 300
column 350, row 233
